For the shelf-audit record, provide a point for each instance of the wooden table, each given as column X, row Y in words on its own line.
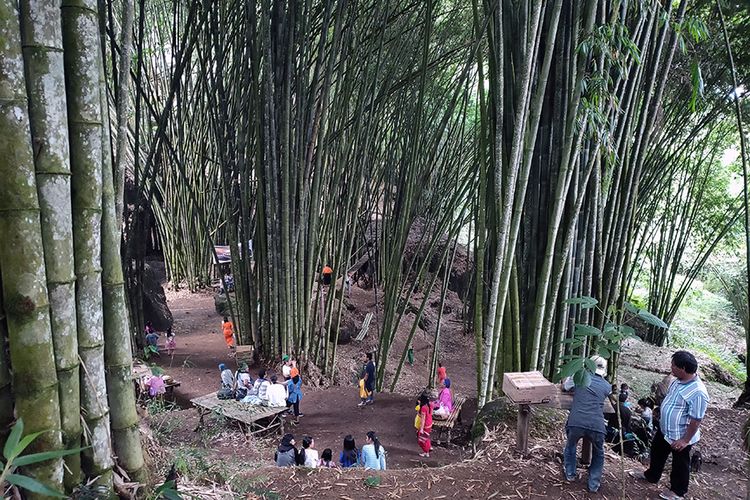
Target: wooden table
column 253, row 419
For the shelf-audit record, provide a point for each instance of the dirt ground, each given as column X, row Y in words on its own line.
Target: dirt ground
column 452, row 471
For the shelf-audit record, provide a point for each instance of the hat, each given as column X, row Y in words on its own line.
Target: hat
column 222, row 366
column 447, row 383
column 285, row 357
column 601, row 365
column 294, row 372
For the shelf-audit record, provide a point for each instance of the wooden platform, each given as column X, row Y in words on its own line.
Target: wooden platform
column 253, row 419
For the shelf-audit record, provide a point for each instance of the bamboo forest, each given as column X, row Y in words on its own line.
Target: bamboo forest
column 268, row 249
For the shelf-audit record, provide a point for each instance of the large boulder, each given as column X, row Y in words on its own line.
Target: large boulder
column 155, row 308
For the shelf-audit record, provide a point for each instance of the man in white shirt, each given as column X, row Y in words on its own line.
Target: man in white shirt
column 276, row 394
column 681, row 412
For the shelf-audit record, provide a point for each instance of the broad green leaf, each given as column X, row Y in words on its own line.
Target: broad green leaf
column 587, row 330
column 604, row 352
column 628, row 331
column 26, row 441
column 613, row 347
column 33, row 485
column 13, row 438
column 631, row 308
column 584, row 301
column 570, row 368
column 651, row 319
column 590, row 365
column 171, row 495
column 45, row 455
column 582, row 378
column 166, row 485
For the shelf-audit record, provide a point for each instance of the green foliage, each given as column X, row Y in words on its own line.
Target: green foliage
column 166, row 491
column 372, row 481
column 14, row 446
column 604, row 342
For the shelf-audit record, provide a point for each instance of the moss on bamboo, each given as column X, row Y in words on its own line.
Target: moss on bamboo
column 42, row 41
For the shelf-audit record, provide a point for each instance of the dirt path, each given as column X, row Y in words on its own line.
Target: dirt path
column 331, row 413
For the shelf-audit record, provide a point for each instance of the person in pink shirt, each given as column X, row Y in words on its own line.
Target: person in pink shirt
column 443, row 405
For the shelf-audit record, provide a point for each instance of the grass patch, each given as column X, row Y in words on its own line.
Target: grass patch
column 722, row 357
column 706, row 323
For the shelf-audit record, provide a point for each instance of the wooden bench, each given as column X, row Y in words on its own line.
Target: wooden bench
column 447, row 424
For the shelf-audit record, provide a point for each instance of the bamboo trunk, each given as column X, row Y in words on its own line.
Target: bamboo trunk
column 25, row 295
column 42, row 41
column 126, row 436
column 80, row 25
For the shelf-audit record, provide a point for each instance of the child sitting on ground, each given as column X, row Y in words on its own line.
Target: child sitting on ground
column 645, row 407
column 326, row 459
column 308, row 455
column 349, row 457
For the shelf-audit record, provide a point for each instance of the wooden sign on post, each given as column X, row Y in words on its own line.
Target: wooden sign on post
column 528, row 388
column 525, row 389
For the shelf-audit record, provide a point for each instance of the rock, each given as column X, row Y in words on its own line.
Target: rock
column 221, row 304
column 715, row 372
column 155, row 307
column 492, row 414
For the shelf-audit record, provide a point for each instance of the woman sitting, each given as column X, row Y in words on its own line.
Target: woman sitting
column 227, row 378
column 443, row 406
column 373, row 454
column 286, row 453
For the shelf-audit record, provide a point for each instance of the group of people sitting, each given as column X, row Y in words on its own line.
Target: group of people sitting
column 371, row 456
column 635, row 422
column 270, row 392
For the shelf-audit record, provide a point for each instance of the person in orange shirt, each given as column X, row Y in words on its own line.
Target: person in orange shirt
column 327, row 275
column 228, row 329
column 441, row 373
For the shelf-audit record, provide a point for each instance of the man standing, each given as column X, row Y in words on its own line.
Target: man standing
column 586, row 420
column 369, row 379
column 681, row 414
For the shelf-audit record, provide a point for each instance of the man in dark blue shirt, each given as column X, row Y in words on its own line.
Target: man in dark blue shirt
column 586, row 420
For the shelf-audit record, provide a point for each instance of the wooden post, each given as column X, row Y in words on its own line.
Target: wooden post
column 522, row 429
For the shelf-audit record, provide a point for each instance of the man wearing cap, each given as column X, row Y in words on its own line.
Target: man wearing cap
column 586, row 420
column 681, row 414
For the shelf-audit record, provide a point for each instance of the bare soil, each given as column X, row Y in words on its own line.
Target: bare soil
column 454, row 471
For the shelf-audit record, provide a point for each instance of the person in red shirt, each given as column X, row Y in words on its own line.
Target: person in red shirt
column 425, row 426
column 441, row 373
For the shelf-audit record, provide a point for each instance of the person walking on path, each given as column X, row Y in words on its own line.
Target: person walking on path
column 369, row 379
column 294, row 388
column 327, row 274
column 228, row 329
column 681, row 414
column 425, row 426
column 586, row 420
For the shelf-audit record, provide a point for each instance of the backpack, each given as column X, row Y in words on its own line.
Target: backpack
column 225, row 393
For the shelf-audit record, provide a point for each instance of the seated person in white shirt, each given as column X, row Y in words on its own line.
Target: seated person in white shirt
column 276, row 394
